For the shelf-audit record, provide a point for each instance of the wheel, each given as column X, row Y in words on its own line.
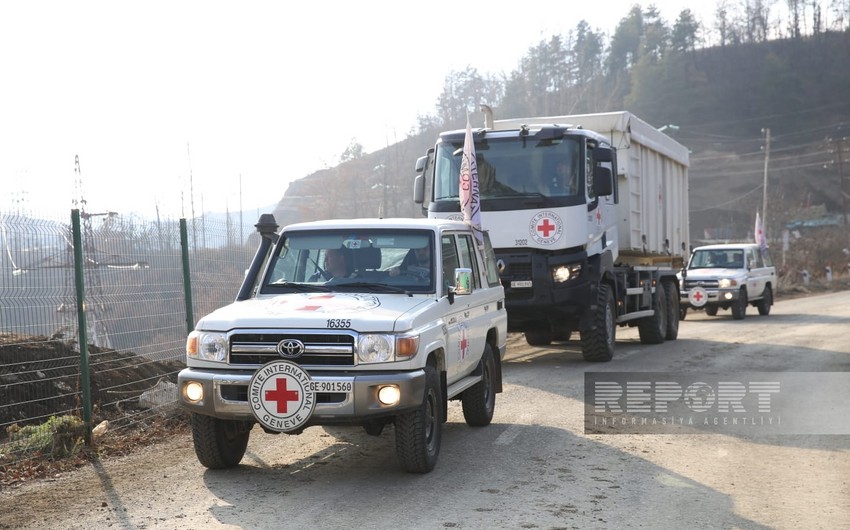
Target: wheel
column 683, row 312
column 673, row 311
column 597, row 340
column 219, row 444
column 479, row 400
column 418, row 433
column 652, row 330
column 711, row 310
column 538, row 336
column 739, row 308
column 764, row 304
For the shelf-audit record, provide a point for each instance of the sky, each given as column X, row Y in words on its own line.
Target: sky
column 229, row 102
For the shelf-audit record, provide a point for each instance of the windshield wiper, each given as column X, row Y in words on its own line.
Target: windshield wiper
column 303, row 287
column 381, row 287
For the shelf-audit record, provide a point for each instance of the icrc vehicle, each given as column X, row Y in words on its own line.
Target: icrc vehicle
column 728, row 276
column 365, row 322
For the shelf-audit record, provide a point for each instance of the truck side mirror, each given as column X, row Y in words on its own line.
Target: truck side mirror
column 419, row 181
column 419, row 189
column 603, row 183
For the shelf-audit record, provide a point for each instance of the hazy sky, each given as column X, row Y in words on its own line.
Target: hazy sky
column 143, row 92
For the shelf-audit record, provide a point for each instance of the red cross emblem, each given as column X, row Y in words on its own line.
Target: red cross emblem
column 546, row 226
column 281, row 395
column 698, row 296
column 598, row 216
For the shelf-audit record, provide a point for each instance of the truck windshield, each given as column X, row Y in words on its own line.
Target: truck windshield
column 363, row 260
column 513, row 167
column 717, row 259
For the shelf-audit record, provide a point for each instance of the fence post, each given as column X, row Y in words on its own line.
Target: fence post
column 187, row 279
column 79, row 284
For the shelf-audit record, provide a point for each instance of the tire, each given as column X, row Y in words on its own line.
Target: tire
column 219, row 444
column 739, row 308
column 683, row 312
column 418, row 433
column 479, row 400
column 538, row 337
column 673, row 311
column 652, row 330
column 711, row 310
column 597, row 340
column 764, row 304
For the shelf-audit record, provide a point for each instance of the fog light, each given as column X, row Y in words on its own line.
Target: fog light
column 193, row 391
column 727, row 296
column 389, row 395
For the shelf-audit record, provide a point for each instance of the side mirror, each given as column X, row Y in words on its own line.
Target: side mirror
column 603, row 183
column 419, row 189
column 463, row 281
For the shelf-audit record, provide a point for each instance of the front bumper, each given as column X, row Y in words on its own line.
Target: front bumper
column 712, row 297
column 226, row 394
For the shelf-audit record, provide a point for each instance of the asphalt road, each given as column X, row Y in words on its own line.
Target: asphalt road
column 533, row 467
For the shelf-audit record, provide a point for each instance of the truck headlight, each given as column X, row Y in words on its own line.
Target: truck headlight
column 381, row 348
column 726, row 283
column 566, row 273
column 207, row 346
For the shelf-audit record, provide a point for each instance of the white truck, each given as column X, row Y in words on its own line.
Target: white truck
column 358, row 321
column 583, row 258
column 728, row 276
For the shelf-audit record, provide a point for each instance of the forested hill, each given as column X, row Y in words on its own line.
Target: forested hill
column 720, row 101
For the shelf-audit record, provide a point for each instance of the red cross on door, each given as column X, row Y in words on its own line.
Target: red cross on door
column 281, row 395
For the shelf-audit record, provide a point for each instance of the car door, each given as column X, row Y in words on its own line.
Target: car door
column 754, row 288
column 470, row 316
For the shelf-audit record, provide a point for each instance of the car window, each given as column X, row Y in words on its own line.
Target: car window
column 467, row 258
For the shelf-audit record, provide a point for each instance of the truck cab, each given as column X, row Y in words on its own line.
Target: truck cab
column 357, row 322
column 728, row 276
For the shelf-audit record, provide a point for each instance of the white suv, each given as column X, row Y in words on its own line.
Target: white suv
column 728, row 276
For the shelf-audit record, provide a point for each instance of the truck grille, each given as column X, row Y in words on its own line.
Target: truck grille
column 320, row 349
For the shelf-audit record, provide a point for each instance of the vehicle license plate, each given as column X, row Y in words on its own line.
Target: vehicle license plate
column 521, row 284
column 331, row 386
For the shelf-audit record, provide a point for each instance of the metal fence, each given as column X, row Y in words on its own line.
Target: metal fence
column 135, row 286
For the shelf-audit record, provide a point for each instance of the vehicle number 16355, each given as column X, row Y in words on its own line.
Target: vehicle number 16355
column 339, row 323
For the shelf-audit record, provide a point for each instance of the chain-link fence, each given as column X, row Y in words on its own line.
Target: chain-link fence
column 129, row 277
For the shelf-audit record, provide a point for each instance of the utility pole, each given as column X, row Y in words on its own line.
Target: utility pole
column 841, row 177
column 766, row 132
column 838, row 144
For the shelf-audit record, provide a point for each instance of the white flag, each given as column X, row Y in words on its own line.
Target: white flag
column 468, row 185
column 759, row 233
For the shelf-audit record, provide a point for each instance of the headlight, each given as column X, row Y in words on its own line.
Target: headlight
column 726, row 283
column 207, row 346
column 565, row 273
column 381, row 348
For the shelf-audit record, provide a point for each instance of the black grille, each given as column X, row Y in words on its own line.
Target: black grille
column 321, row 349
column 518, row 271
column 240, row 393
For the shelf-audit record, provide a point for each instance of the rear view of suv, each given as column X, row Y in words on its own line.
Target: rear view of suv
column 728, row 276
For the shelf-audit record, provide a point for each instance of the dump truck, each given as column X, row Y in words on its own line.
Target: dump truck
column 588, row 216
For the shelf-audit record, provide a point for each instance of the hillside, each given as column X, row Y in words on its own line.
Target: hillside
column 721, row 101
